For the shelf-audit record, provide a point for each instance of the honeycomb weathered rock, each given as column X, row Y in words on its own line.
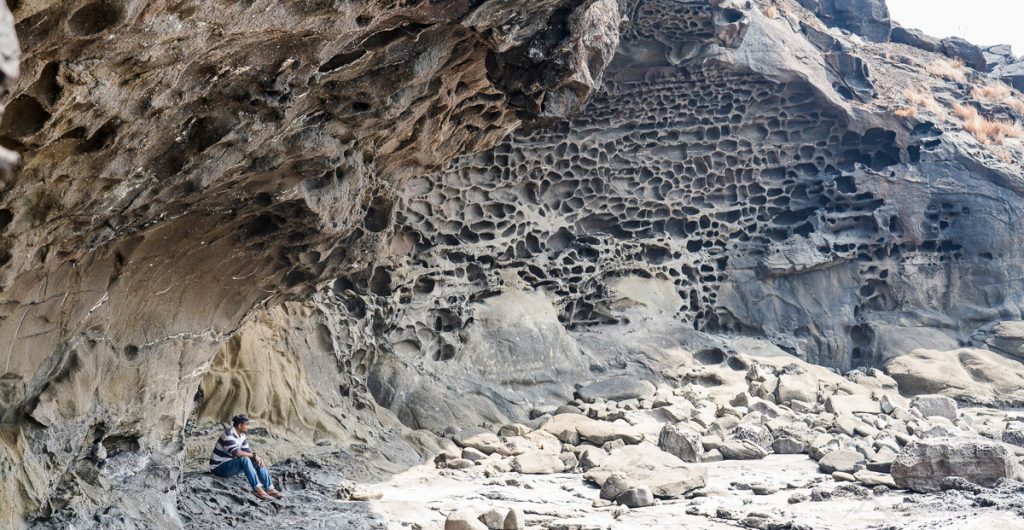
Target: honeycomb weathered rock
column 730, row 195
column 183, row 162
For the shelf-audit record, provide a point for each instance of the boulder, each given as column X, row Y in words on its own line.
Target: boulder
column 922, row 464
column 645, row 464
column 473, row 455
column 800, row 387
column 590, row 457
column 614, row 485
column 935, row 405
column 843, row 476
column 1008, row 336
column 843, row 460
column 787, row 445
column 755, row 433
column 571, row 428
column 494, row 518
column 682, row 442
column 459, row 463
column 872, row 479
column 889, row 403
column 916, row 38
column 998, row 55
column 713, row 455
column 537, row 463
column 637, row 497
column 676, row 412
column 478, row 438
column 764, row 489
column 741, row 450
column 463, row 521
column 1013, row 434
column 847, row 424
column 617, row 388
column 569, row 460
column 970, row 54
column 850, row 404
column 515, row 520
column 514, row 429
column 1013, row 75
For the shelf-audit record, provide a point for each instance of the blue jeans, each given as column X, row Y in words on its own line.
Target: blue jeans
column 244, row 464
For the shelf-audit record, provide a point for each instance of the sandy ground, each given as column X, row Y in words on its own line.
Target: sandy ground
column 422, row 497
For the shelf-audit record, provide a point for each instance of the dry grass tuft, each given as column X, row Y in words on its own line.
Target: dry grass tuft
column 920, row 98
column 907, row 112
column 954, row 69
column 994, row 92
column 997, row 92
column 985, row 130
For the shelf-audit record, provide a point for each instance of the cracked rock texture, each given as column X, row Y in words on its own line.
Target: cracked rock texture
column 226, row 206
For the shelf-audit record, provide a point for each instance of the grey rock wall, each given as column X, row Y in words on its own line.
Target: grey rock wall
column 730, row 176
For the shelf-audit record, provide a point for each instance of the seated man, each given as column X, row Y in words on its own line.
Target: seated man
column 232, row 455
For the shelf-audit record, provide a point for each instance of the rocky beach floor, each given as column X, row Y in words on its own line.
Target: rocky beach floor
column 738, row 442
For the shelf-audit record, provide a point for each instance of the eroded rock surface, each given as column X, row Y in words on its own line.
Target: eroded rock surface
column 247, row 206
column 184, row 162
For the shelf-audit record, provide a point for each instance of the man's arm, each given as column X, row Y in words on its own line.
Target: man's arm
column 244, row 451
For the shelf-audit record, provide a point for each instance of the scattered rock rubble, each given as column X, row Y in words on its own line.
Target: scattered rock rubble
column 639, row 445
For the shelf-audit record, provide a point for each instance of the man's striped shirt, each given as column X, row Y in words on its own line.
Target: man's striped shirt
column 228, row 444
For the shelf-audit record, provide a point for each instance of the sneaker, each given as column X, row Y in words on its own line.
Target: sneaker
column 261, row 494
column 275, row 494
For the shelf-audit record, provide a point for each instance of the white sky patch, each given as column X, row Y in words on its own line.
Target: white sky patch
column 983, row 22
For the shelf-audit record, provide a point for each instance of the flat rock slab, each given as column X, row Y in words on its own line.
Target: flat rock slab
column 922, row 464
column 1008, row 337
column 645, row 464
column 935, row 405
column 477, row 438
column 850, row 404
column 843, row 460
column 616, row 388
column 568, row 426
column 537, row 463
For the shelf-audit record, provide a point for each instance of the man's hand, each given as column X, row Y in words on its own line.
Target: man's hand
column 259, row 461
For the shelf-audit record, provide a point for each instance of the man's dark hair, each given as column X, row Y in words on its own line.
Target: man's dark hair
column 241, row 418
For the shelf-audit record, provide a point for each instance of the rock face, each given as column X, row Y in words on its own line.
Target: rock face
column 922, row 465
column 183, row 163
column 225, row 206
column 869, row 18
column 1012, row 74
column 644, row 204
